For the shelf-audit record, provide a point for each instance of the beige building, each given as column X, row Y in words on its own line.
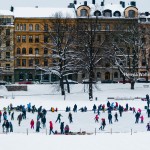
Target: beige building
column 6, row 46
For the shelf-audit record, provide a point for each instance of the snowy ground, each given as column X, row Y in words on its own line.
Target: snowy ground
column 48, row 96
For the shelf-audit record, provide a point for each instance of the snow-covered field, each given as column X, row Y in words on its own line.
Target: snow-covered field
column 48, row 96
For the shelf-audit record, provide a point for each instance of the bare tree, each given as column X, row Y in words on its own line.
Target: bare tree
column 59, row 39
column 89, row 48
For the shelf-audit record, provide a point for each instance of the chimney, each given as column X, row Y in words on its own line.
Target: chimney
column 133, row 3
column 93, row 1
column 85, row 3
column 11, row 8
column 75, row 2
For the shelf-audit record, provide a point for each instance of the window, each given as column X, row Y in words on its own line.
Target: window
column 99, row 27
column 37, row 61
column 7, row 31
column 97, row 13
column 143, row 62
column 36, row 39
column 30, row 76
column 7, row 66
column 18, row 62
column 7, row 54
column 30, row 62
column 45, row 51
column 30, row 39
column 37, row 27
column 21, row 76
column 24, row 51
column 18, row 51
column 107, row 13
column 18, row 39
column 30, row 27
column 8, row 43
column 142, row 19
column 148, row 19
column 24, row 39
column 46, row 27
column 21, row 27
column 117, row 14
column 24, row 27
column 36, row 51
column 131, row 13
column 45, row 62
column 17, row 27
column 45, row 39
column 98, row 75
column 107, row 27
column 30, row 51
column 83, row 12
column 116, row 75
column 99, row 38
column 23, row 62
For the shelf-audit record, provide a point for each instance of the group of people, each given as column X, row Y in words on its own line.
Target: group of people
column 64, row 129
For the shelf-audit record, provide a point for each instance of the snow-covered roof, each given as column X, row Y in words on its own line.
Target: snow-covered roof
column 33, row 12
column 6, row 12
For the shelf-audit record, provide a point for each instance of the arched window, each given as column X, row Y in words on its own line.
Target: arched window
column 83, row 12
column 21, row 76
column 37, row 28
column 45, row 51
column 30, row 27
column 131, row 13
column 36, row 51
column 23, row 50
column 30, row 51
column 116, row 75
column 107, row 76
column 30, row 76
column 97, row 13
column 18, row 51
column 98, row 75
column 107, row 13
column 117, row 14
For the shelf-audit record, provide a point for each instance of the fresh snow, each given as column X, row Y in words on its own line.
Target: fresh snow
column 49, row 96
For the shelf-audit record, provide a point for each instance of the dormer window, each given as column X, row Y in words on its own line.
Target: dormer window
column 107, row 13
column 97, row 13
column 131, row 13
column 142, row 19
column 83, row 13
column 117, row 14
column 148, row 19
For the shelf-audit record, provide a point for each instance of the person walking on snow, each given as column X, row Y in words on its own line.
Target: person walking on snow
column 142, row 119
column 32, row 124
column 96, row 118
column 116, row 117
column 51, row 128
column 59, row 118
column 70, row 117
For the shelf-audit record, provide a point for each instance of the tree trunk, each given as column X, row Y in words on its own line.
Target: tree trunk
column 62, row 86
column 68, row 87
column 132, row 84
column 91, row 84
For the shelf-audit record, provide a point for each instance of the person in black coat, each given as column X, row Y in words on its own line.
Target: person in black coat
column 148, row 112
column 75, row 108
column 70, row 117
column 62, row 127
column 137, row 116
column 110, row 118
column 116, row 117
column 147, row 98
column 94, row 108
column 108, row 104
column 43, row 120
column 7, row 126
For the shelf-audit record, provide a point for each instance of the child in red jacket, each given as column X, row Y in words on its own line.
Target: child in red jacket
column 32, row 124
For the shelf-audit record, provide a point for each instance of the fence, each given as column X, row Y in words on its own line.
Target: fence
column 95, row 132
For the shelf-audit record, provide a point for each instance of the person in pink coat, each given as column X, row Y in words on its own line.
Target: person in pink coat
column 51, row 127
column 32, row 124
column 96, row 118
column 142, row 119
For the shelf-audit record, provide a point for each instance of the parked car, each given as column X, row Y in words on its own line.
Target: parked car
column 141, row 80
column 57, row 82
column 108, row 81
column 3, row 82
column 25, row 82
